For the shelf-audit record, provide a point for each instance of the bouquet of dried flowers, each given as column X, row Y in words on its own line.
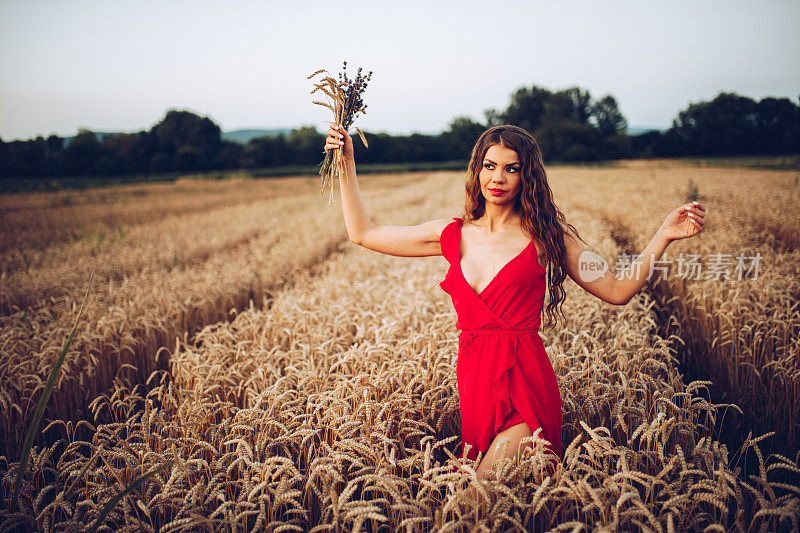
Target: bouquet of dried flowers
column 346, row 104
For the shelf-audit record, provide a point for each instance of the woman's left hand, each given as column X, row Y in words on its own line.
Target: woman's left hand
column 685, row 221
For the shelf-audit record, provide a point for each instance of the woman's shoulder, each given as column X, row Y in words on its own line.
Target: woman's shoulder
column 444, row 229
column 440, row 224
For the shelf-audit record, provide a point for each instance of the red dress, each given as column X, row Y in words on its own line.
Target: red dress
column 504, row 374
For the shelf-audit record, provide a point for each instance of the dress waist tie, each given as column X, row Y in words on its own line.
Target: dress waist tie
column 469, row 334
column 499, row 330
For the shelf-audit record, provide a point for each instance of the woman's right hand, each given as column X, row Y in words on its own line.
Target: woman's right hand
column 338, row 138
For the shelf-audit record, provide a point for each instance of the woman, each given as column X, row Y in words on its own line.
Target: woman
column 509, row 237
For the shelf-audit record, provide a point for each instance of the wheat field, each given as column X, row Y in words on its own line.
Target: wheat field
column 286, row 379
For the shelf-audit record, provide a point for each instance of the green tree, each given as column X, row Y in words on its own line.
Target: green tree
column 81, row 154
column 189, row 158
column 460, row 137
column 127, row 151
column 527, row 108
column 724, row 126
column 778, row 126
column 228, row 156
column 5, row 167
column 607, row 116
column 197, row 139
column 570, row 141
column 567, row 123
column 54, row 145
column 305, row 143
column 581, row 103
column 492, row 117
column 569, row 105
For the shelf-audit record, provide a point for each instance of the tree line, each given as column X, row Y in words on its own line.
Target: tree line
column 569, row 125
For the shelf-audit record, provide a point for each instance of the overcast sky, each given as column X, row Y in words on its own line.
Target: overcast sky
column 119, row 66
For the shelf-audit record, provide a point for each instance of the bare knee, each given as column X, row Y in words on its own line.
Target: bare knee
column 485, row 464
column 504, row 447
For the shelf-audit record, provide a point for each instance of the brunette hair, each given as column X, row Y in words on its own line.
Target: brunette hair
column 534, row 203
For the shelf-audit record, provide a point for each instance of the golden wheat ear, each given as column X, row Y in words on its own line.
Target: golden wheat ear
column 321, row 87
column 317, row 72
column 335, row 90
column 363, row 139
column 323, row 103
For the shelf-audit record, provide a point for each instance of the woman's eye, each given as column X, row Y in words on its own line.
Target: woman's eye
column 510, row 169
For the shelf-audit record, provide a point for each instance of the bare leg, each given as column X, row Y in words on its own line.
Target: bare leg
column 512, row 436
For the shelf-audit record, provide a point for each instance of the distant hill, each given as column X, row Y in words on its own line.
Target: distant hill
column 639, row 131
column 244, row 136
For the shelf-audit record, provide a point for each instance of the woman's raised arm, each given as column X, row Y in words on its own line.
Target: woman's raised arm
column 409, row 241
column 588, row 270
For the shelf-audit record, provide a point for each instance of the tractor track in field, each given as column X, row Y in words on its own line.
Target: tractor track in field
column 731, row 427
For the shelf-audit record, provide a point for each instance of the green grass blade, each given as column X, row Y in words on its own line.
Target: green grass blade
column 89, row 461
column 37, row 417
column 116, row 499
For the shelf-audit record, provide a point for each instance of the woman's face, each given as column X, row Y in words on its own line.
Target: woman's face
column 500, row 175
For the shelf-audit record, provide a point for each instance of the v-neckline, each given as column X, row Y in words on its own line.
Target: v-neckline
column 497, row 275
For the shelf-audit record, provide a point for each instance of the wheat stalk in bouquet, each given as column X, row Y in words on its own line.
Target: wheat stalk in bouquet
column 346, row 104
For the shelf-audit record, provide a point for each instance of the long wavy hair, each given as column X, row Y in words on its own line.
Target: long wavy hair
column 540, row 217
